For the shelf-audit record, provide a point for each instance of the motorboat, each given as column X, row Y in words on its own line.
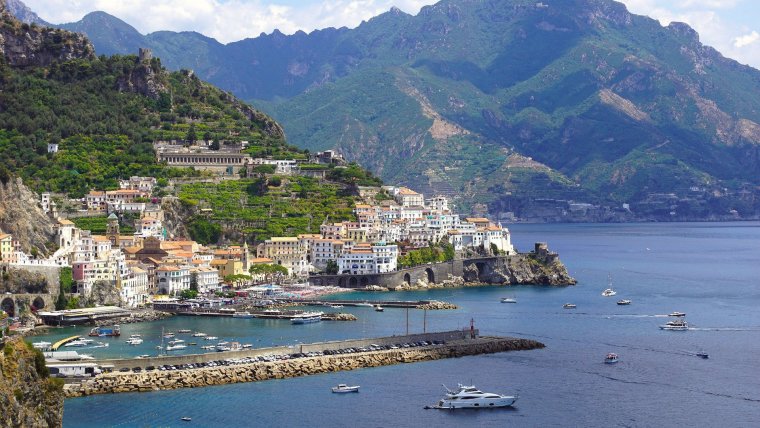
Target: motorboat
column 569, row 306
column 508, row 300
column 623, row 302
column 208, row 347
column 242, row 315
column 470, row 397
column 336, row 306
column 379, row 308
column 77, row 343
column 343, row 388
column 199, row 334
column 703, row 355
column 168, row 335
column 365, row 304
column 175, row 347
column 210, row 338
column 184, row 331
column 106, row 331
column 176, row 342
column 134, row 341
column 42, row 346
column 611, row 358
column 679, row 324
column 307, row 318
column 186, row 418
column 677, row 314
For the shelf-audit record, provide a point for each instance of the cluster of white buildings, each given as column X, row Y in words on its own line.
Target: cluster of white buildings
column 371, row 243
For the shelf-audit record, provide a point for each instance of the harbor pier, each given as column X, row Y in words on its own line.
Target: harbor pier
column 287, row 362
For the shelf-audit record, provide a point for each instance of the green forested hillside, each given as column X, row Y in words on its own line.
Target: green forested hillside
column 509, row 101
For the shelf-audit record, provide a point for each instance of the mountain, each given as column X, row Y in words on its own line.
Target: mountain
column 22, row 12
column 511, row 105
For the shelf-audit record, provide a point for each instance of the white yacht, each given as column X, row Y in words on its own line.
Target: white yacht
column 508, row 300
column 175, row 347
column 469, row 397
column 678, row 324
column 134, row 341
column 609, row 291
column 379, row 308
column 343, row 388
column 199, row 334
column 677, row 314
column 42, row 346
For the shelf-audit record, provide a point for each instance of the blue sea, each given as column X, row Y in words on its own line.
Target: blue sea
column 711, row 271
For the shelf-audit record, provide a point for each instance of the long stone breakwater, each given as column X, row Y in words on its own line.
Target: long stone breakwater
column 258, row 371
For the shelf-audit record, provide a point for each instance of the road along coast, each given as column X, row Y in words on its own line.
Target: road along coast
column 468, row 343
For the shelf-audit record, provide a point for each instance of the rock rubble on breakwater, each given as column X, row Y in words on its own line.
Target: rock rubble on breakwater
column 338, row 317
column 135, row 317
column 436, row 305
column 258, row 371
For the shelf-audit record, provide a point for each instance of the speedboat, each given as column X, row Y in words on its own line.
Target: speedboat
column 336, row 306
column 609, row 292
column 42, row 346
column 76, row 344
column 379, row 308
column 210, row 338
column 623, row 302
column 508, row 300
column 677, row 314
column 199, row 334
column 469, row 397
column 702, row 355
column 186, row 418
column 569, row 306
column 175, row 347
column 366, row 304
column 343, row 388
column 184, row 331
column 307, row 318
column 176, row 342
column 611, row 358
column 134, row 341
column 675, row 325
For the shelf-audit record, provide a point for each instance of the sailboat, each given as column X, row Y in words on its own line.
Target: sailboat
column 609, row 291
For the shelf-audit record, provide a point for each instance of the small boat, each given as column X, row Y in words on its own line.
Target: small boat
column 135, row 336
column 186, row 419
column 611, row 358
column 469, row 397
column 184, row 331
column 143, row 356
column 703, row 355
column 176, row 342
column 343, row 388
column 675, row 325
column 623, row 302
column 210, row 338
column 106, row 331
column 242, row 315
column 168, row 335
column 379, row 308
column 192, row 343
column 609, row 291
column 208, row 347
column 306, row 319
column 508, row 300
column 134, row 341
column 76, row 344
column 175, row 347
column 677, row 314
column 365, row 304
column 199, row 334
column 569, row 306
column 336, row 306
column 42, row 346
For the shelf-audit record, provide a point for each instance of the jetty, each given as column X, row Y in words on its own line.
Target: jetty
column 191, row 371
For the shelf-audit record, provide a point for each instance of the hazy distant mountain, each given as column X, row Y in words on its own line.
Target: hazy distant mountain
column 504, row 102
column 18, row 9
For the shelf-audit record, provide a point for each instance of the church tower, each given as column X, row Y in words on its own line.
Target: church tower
column 112, row 230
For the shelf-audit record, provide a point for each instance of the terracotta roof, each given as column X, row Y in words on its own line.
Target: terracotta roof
column 5, row 235
column 477, row 220
column 218, row 262
column 407, row 192
column 100, row 238
column 167, row 268
column 65, row 222
column 261, row 260
column 131, row 250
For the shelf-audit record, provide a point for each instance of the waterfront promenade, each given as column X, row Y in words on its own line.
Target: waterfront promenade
column 242, row 366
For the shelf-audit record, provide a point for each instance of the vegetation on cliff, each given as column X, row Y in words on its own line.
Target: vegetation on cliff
column 28, row 397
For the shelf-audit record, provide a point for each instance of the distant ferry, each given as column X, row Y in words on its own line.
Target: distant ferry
column 676, row 325
column 106, row 331
column 307, row 318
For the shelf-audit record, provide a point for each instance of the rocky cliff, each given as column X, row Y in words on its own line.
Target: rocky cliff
column 24, row 45
column 28, row 398
column 21, row 216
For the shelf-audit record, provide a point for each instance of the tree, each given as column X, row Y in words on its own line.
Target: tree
column 191, row 137
column 194, row 282
column 332, row 267
column 188, row 294
column 494, row 249
column 214, row 145
column 61, row 301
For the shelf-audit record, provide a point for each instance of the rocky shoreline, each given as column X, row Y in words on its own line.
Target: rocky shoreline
column 135, row 317
column 259, row 371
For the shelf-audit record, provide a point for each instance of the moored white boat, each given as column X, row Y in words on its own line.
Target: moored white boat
column 508, row 300
column 611, row 358
column 677, row 314
column 469, row 397
column 242, row 315
column 175, row 347
column 134, row 341
column 343, row 388
column 379, row 308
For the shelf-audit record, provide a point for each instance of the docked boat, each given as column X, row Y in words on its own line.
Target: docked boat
column 677, row 314
column 242, row 315
column 42, row 346
column 508, row 300
column 106, row 331
column 336, row 306
column 175, row 347
column 176, row 342
column 469, row 397
column 679, row 324
column 199, row 334
column 134, row 341
column 307, row 318
column 184, row 331
column 343, row 388
column 208, row 347
column 611, row 358
column 78, row 343
column 569, row 306
column 379, row 308
column 623, row 302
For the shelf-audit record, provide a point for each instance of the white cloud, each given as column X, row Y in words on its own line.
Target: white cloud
column 746, row 39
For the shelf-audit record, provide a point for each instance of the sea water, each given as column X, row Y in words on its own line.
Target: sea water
column 710, row 271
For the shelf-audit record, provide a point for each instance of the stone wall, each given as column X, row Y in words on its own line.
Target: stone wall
column 160, row 380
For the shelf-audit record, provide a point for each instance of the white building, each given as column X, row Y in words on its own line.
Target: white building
column 206, row 278
column 134, row 288
column 52, row 147
column 172, row 279
column 408, row 197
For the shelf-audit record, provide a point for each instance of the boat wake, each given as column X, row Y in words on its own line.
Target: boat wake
column 724, row 328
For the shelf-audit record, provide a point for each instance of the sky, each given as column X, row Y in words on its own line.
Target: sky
column 730, row 26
